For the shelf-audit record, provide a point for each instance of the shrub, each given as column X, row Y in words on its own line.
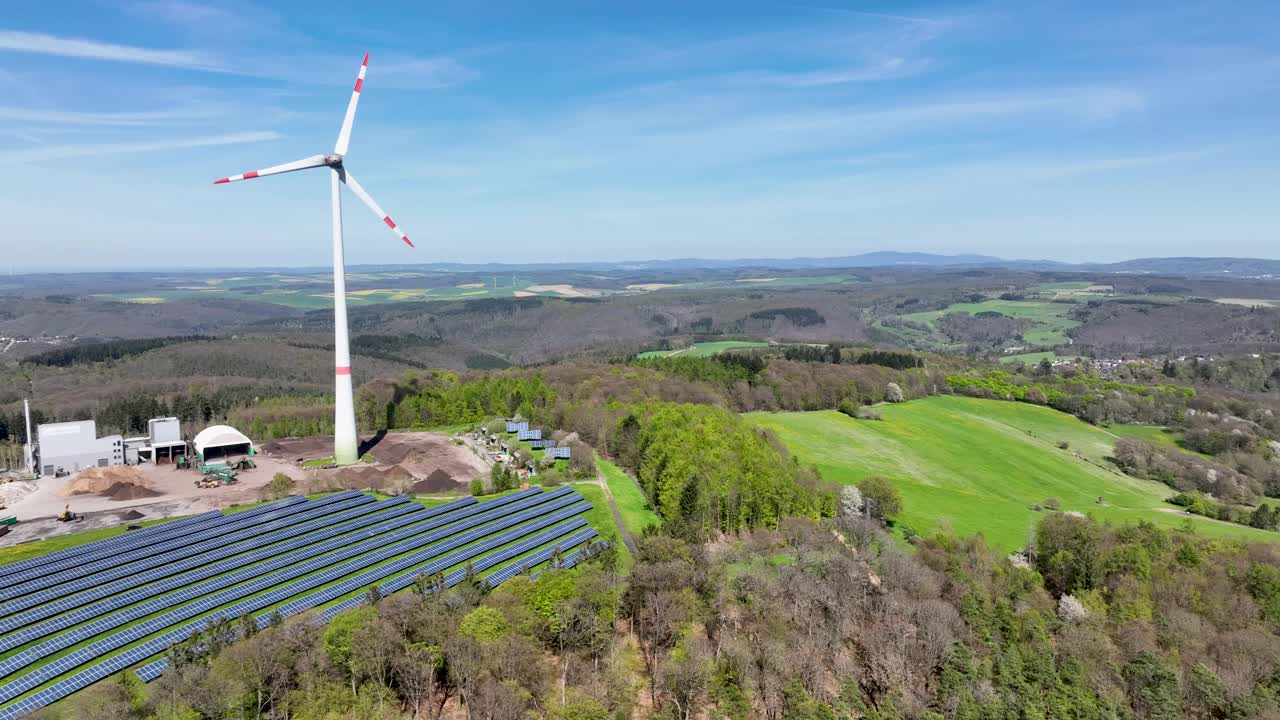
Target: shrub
column 893, row 393
column 477, row 487
column 281, row 486
column 1063, row 445
column 886, row 501
column 1053, row 504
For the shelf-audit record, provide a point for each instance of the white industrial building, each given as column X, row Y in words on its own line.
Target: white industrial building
column 162, row 442
column 70, row 446
column 218, row 441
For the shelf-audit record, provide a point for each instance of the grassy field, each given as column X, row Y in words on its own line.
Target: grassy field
column 1152, row 434
column 1030, row 358
column 1051, row 321
column 979, row 465
column 602, row 520
column 632, row 505
column 704, row 349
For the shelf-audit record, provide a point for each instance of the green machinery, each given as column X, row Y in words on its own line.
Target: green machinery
column 215, row 474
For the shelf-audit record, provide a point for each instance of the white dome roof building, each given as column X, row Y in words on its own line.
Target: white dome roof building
column 218, row 441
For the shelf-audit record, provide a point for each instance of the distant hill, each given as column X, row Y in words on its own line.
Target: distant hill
column 1177, row 266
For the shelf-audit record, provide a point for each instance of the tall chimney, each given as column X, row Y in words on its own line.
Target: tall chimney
column 26, row 449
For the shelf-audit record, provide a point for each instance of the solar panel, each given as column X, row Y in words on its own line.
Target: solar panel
column 538, row 558
column 235, row 521
column 517, row 426
column 575, row 557
column 529, row 435
column 65, row 598
column 560, row 453
column 132, row 545
column 154, row 669
column 121, row 578
column 455, row 539
column 324, row 572
column 120, row 541
column 479, row 565
column 194, row 544
column 408, row 511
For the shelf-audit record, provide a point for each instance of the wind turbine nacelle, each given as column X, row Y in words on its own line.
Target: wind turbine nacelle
column 334, row 160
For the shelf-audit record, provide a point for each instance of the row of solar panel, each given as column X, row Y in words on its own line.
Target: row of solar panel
column 154, row 669
column 234, row 527
column 517, row 426
column 120, row 541
column 560, row 453
column 123, row 578
column 529, row 435
column 68, row 597
column 576, row 557
column 210, row 602
column 94, row 552
column 322, row 572
column 536, row 559
column 409, row 511
column 92, row 674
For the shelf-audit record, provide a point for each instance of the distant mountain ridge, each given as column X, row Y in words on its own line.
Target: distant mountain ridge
column 1180, row 266
column 1186, row 266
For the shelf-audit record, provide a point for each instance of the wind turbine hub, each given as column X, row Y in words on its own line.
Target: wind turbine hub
column 334, row 160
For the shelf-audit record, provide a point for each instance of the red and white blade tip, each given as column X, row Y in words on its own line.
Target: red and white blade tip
column 366, row 59
column 242, row 176
column 392, row 224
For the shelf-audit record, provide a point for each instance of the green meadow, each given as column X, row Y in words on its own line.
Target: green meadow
column 632, row 505
column 1050, row 319
column 980, row 465
column 704, row 349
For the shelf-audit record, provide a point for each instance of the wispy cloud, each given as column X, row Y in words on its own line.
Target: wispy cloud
column 108, row 119
column 46, row 153
column 44, row 44
column 890, row 69
column 180, row 12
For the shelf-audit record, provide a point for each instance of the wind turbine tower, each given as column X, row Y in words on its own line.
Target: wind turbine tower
column 345, row 449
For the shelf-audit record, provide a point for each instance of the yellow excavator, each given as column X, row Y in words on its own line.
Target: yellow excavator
column 66, row 515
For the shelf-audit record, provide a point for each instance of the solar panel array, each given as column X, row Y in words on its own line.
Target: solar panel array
column 354, row 584
column 529, row 434
column 154, row 669
column 118, row 579
column 541, row 444
column 208, row 535
column 279, row 559
column 400, row 507
column 120, row 541
column 560, row 453
column 517, row 426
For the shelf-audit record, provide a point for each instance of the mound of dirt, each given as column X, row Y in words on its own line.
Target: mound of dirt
column 101, row 479
column 438, row 481
column 132, row 515
column 360, row 477
column 129, row 491
column 12, row 492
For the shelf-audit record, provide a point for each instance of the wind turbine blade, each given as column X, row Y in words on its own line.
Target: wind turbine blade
column 344, row 136
column 360, row 193
column 303, row 164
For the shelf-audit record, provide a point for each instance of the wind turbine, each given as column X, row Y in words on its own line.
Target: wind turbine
column 344, row 420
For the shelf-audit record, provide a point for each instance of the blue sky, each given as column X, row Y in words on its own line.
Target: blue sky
column 517, row 132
